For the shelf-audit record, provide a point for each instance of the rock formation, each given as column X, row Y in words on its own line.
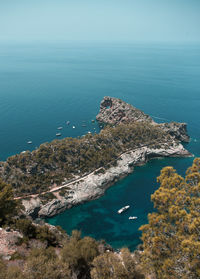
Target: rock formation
column 114, row 111
column 94, row 184
column 177, row 130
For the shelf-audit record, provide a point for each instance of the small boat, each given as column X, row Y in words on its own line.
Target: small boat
column 29, row 142
column 73, row 127
column 83, row 125
column 67, row 122
column 132, row 217
column 123, row 209
column 58, row 134
column 89, row 132
column 93, row 120
column 60, row 128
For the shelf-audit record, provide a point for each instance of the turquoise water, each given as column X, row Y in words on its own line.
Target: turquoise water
column 42, row 86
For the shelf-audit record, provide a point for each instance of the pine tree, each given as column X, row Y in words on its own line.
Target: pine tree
column 171, row 240
column 7, row 204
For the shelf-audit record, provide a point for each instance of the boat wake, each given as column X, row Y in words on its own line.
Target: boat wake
column 165, row 119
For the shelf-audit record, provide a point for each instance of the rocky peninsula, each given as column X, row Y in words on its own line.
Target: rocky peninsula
column 73, row 171
column 114, row 111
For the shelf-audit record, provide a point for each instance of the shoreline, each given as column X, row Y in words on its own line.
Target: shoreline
column 93, row 185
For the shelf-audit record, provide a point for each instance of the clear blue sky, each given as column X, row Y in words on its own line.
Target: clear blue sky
column 106, row 20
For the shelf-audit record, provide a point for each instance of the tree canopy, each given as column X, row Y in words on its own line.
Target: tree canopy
column 171, row 240
column 7, row 204
column 60, row 160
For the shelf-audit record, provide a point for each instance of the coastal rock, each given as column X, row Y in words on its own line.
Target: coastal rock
column 177, row 130
column 52, row 208
column 94, row 184
column 32, row 207
column 114, row 111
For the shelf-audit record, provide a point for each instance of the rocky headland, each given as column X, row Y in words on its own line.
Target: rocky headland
column 114, row 111
column 93, row 185
column 134, row 133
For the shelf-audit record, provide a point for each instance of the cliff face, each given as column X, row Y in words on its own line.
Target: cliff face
column 114, row 111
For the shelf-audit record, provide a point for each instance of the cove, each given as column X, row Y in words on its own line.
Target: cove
column 99, row 218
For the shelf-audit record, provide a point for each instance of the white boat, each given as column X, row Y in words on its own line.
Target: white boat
column 29, row 142
column 67, row 122
column 132, row 218
column 123, row 209
column 58, row 134
column 59, row 128
column 73, row 127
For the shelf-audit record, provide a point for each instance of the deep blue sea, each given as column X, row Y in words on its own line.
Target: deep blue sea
column 44, row 85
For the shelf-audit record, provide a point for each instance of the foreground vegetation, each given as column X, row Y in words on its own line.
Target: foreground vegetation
column 46, row 252
column 170, row 241
column 52, row 163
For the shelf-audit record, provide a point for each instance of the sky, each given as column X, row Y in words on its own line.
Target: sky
column 100, row 20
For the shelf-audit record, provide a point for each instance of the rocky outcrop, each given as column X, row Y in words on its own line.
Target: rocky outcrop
column 114, row 111
column 94, row 184
column 32, row 206
column 53, row 207
column 177, row 130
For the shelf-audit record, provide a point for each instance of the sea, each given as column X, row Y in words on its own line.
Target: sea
column 43, row 85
